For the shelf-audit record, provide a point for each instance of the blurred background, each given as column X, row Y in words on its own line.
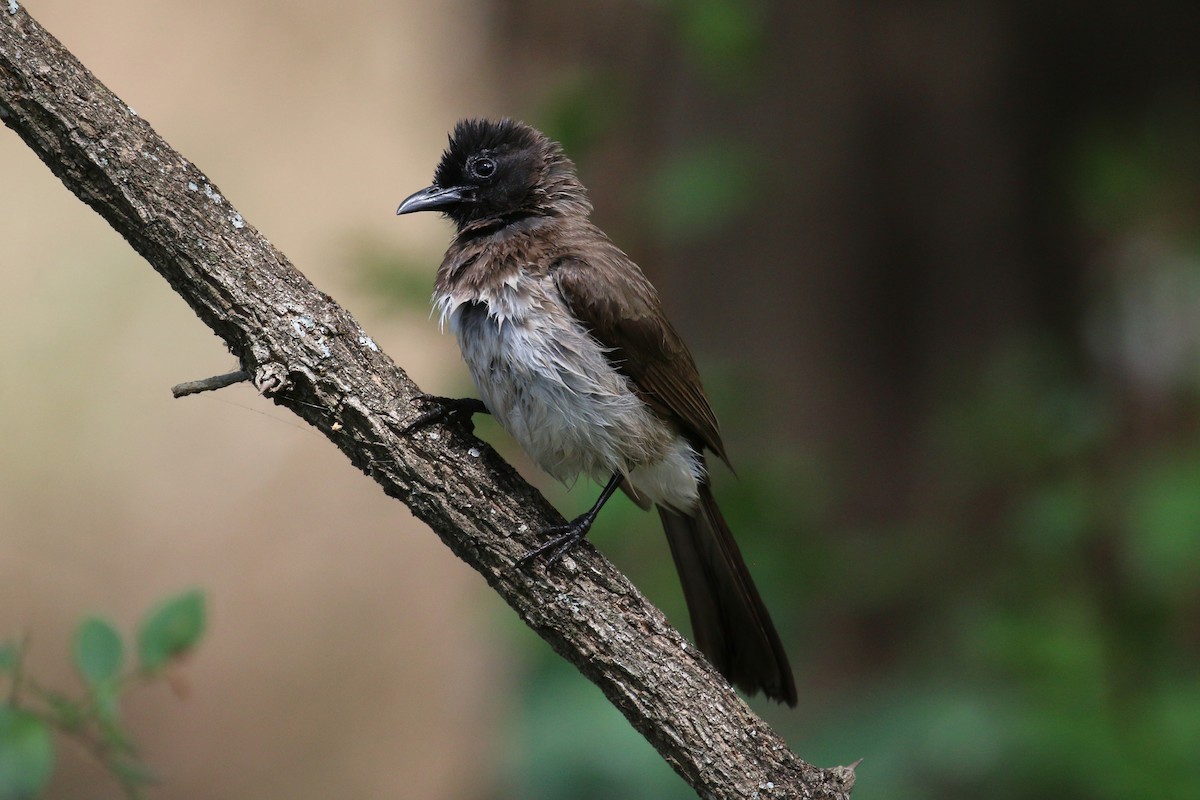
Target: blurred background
column 938, row 261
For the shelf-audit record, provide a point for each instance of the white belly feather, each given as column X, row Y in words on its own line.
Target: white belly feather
column 549, row 384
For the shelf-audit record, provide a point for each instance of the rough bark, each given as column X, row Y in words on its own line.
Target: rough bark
column 308, row 354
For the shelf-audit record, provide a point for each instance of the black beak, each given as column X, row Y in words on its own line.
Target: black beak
column 431, row 198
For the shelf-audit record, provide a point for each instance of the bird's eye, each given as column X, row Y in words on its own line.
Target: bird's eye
column 483, row 167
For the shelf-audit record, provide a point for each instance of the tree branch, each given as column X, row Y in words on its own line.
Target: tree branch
column 209, row 384
column 307, row 353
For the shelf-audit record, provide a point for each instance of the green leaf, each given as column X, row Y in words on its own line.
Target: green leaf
column 26, row 754
column 98, row 651
column 171, row 629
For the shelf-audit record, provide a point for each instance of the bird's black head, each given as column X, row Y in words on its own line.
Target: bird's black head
column 496, row 172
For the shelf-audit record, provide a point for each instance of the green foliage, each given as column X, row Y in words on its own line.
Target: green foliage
column 98, row 651
column 1019, row 414
column 1162, row 514
column 699, row 189
column 31, row 711
column 26, row 754
column 581, row 110
column 1128, row 172
column 724, row 37
column 171, row 630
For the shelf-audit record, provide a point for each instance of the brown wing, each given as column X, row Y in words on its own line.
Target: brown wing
column 620, row 308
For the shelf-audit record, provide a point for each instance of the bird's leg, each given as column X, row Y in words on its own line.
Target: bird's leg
column 443, row 409
column 575, row 531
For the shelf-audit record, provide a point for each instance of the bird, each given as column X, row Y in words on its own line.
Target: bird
column 571, row 352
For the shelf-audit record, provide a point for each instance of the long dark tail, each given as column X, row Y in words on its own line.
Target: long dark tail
column 730, row 622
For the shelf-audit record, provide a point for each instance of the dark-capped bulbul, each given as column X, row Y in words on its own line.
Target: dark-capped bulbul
column 571, row 352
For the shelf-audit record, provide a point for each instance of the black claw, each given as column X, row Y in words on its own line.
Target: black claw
column 566, row 537
column 444, row 409
column 574, row 532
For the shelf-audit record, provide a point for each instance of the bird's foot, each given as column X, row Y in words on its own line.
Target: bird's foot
column 443, row 409
column 566, row 537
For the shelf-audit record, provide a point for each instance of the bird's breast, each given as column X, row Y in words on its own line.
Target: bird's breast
column 550, row 384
